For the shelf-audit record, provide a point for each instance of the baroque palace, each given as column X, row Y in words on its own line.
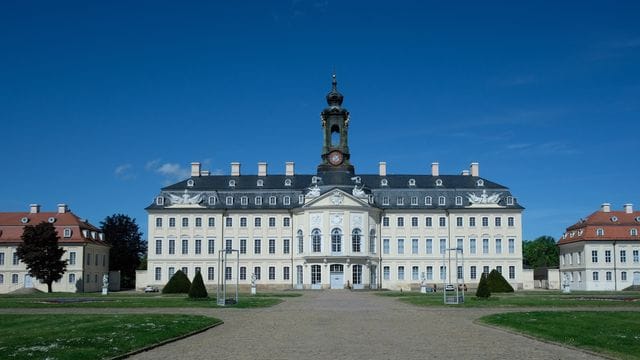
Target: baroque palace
column 335, row 228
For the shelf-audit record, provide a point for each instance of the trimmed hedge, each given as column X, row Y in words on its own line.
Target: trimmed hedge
column 197, row 289
column 483, row 291
column 497, row 283
column 178, row 284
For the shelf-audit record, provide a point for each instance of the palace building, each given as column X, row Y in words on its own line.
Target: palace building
column 335, row 228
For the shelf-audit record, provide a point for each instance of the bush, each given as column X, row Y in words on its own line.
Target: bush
column 497, row 283
column 197, row 289
column 178, row 284
column 483, row 291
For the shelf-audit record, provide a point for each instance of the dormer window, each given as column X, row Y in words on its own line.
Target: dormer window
column 564, row 236
column 272, row 200
column 258, row 200
column 580, row 232
column 190, row 183
column 24, row 220
column 287, row 182
column 400, row 201
column 67, row 232
column 509, row 200
column 638, row 219
column 229, row 200
column 438, row 182
column 572, row 234
column 614, row 218
column 600, row 232
column 286, row 200
column 85, row 233
column 442, row 200
column 160, row 200
column 414, row 200
column 232, row 183
column 370, row 199
column 428, row 200
column 412, row 182
column 300, row 199
column 480, row 183
column 51, row 220
column 384, row 182
column 212, row 200
column 458, row 200
column 101, row 236
column 633, row 232
column 260, row 183
column 94, row 235
column 244, row 200
column 385, row 200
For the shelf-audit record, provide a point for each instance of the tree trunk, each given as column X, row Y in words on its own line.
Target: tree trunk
column 49, row 287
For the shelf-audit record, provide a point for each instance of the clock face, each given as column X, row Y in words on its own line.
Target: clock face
column 335, row 158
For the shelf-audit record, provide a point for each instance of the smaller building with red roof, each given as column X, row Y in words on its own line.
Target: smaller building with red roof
column 86, row 252
column 602, row 251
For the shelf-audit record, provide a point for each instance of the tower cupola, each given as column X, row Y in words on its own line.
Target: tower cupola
column 335, row 129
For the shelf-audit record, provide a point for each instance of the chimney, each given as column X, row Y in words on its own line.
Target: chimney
column 34, row 208
column 628, row 208
column 382, row 168
column 435, row 169
column 475, row 169
column 62, row 208
column 465, row 172
column 195, row 169
column 288, row 168
column 235, row 169
column 606, row 207
column 262, row 169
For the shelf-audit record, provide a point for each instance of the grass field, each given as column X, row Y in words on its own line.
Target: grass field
column 613, row 333
column 526, row 299
column 133, row 300
column 72, row 336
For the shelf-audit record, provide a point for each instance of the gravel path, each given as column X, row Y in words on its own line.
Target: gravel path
column 354, row 325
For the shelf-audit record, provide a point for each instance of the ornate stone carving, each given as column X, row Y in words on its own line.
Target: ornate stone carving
column 313, row 192
column 336, row 219
column 185, row 199
column 484, row 199
column 356, row 220
column 315, row 220
column 337, row 198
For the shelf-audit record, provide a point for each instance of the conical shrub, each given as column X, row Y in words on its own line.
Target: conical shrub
column 497, row 283
column 178, row 284
column 197, row 289
column 483, row 291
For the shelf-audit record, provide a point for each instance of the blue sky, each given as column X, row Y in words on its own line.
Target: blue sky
column 103, row 103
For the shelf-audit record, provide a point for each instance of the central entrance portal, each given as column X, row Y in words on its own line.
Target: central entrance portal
column 337, row 276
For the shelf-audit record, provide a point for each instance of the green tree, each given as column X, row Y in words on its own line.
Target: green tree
column 497, row 283
column 178, row 284
column 127, row 246
column 197, row 289
column 40, row 252
column 541, row 252
column 483, row 291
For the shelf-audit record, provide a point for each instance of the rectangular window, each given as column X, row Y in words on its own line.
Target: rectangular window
column 185, row 222
column 607, row 256
column 244, row 200
column 14, row 278
column 443, row 272
column 72, row 279
column 385, row 200
column 499, row 269
column 243, row 222
column 212, row 200
column 385, row 221
column 498, row 221
column 243, row 273
column 256, row 272
column 272, row 272
column 623, row 276
column 414, row 221
column 460, row 244
column 459, row 272
column 608, row 275
column 472, row 222
column 185, row 246
column 272, row 222
column 385, row 246
column 286, row 200
column 512, row 272
column 428, row 222
column 210, row 273
column 301, row 199
column 400, row 221
column 258, row 200
column 636, row 256
column 414, row 200
column 443, row 245
column 286, row 273
column 400, row 246
column 429, row 247
column 579, row 257
column 212, row 222
column 198, row 222
column 443, row 221
column 485, row 270
column 159, row 222
column 158, row 273
column 272, row 246
column 211, row 246
column 510, row 221
column 472, row 273
column 427, row 200
column 272, row 200
column 400, row 272
column 257, row 222
column 172, row 246
column 72, row 258
column 623, row 256
column 442, row 200
column 415, row 273
column 414, row 246
column 400, row 201
column 228, row 244
column 228, row 273
column 595, row 276
column 185, row 270
column 229, row 200
column 485, row 246
column 243, row 246
column 158, row 246
column 172, row 222
column 429, row 272
column 459, row 221
column 498, row 246
column 472, row 246
column 485, row 221
column 286, row 247
column 594, row 256
column 171, row 271
column 512, row 247
column 256, row 246
column 286, row 221
column 386, row 273
column 198, row 246
column 228, row 222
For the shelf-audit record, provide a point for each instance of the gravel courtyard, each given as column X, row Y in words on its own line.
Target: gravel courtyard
column 355, row 325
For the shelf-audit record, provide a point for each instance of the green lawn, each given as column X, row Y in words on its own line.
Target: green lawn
column 614, row 333
column 71, row 336
column 133, row 300
column 525, row 299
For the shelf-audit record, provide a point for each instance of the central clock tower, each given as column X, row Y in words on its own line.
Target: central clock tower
column 335, row 130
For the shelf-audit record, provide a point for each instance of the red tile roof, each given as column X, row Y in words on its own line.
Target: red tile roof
column 12, row 226
column 616, row 225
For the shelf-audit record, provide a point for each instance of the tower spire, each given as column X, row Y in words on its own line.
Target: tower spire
column 335, row 123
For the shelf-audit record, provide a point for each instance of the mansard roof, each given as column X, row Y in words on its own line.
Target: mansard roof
column 613, row 225
column 12, row 226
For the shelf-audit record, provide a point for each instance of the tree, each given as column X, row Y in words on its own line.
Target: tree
column 497, row 283
column 127, row 246
column 483, row 291
column 197, row 289
column 178, row 284
column 41, row 254
column 541, row 252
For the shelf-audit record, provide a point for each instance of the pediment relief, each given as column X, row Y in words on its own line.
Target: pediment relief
column 335, row 198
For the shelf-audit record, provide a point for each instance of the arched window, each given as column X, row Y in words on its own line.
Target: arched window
column 372, row 241
column 260, row 182
column 600, row 232
column 300, row 242
column 287, row 182
column 336, row 241
column 316, row 240
column 356, row 241
column 633, row 232
column 442, row 200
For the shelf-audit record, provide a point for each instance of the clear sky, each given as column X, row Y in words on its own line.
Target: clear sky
column 103, row 103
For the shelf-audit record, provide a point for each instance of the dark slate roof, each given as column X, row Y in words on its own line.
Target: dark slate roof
column 396, row 186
